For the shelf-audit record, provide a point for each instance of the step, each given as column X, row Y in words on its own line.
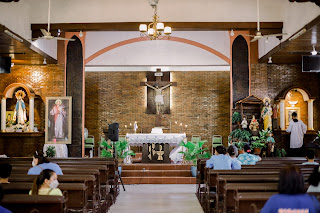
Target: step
column 156, row 173
column 141, row 166
column 159, row 180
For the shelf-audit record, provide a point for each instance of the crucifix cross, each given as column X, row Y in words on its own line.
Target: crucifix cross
column 158, row 85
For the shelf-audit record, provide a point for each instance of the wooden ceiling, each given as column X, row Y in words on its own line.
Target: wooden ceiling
column 21, row 51
column 291, row 52
column 266, row 27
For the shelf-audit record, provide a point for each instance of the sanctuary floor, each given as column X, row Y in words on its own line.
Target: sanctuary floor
column 157, row 198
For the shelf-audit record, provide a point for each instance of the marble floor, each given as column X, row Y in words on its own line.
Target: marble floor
column 157, row 198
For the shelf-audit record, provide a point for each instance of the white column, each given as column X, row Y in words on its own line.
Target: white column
column 282, row 115
column 3, row 114
column 310, row 114
column 31, row 113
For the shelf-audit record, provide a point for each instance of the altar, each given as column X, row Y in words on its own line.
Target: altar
column 155, row 146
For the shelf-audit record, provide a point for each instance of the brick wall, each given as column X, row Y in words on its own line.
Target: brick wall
column 201, row 101
column 45, row 80
column 271, row 80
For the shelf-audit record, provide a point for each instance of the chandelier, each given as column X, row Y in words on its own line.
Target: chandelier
column 155, row 30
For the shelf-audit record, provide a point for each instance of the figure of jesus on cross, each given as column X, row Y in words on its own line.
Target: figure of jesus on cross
column 159, row 97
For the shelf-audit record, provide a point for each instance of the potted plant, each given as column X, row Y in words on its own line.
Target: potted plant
column 51, row 151
column 121, row 149
column 239, row 145
column 193, row 152
column 236, row 119
column 257, row 145
column 279, row 152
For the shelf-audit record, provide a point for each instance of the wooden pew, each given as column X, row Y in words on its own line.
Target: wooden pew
column 19, row 203
column 77, row 193
column 251, row 201
column 230, row 190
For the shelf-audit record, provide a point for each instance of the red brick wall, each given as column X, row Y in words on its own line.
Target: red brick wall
column 201, row 101
column 271, row 80
column 47, row 81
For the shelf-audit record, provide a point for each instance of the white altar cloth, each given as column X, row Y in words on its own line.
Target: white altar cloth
column 61, row 150
column 173, row 139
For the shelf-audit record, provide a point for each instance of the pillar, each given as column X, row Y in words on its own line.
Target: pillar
column 310, row 114
column 282, row 115
column 31, row 113
column 3, row 114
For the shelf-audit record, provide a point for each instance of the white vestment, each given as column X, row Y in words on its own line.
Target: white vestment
column 297, row 129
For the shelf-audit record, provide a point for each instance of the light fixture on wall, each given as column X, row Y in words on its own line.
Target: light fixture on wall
column 231, row 32
column 155, row 30
column 270, row 60
column 45, row 61
column 314, row 52
column 81, row 34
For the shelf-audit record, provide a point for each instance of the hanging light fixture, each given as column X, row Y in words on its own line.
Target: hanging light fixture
column 314, row 52
column 155, row 30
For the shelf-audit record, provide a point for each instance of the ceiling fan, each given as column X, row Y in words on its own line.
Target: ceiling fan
column 259, row 35
column 46, row 33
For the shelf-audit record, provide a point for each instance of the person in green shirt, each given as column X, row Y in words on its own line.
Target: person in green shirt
column 46, row 184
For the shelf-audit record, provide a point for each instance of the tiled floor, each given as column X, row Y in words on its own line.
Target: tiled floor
column 157, row 198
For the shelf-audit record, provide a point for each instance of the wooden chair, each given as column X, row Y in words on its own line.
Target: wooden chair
column 216, row 141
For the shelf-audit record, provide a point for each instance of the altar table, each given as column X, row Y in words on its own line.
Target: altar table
column 156, row 146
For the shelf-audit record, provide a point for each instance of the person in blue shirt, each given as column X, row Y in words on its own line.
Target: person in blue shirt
column 233, row 153
column 246, row 158
column 292, row 196
column 310, row 158
column 219, row 161
column 2, row 209
column 41, row 163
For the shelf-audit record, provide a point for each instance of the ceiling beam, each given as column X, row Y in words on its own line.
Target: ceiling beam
column 268, row 27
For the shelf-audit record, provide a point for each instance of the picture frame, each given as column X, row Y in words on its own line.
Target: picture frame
column 58, row 120
column 289, row 111
column 9, row 115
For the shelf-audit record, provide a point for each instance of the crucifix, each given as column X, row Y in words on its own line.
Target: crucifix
column 158, row 81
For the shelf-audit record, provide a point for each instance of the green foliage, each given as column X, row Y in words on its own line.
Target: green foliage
column 239, row 144
column 194, row 150
column 51, row 151
column 258, row 144
column 236, row 117
column 318, row 134
column 120, row 148
column 241, row 135
column 279, row 152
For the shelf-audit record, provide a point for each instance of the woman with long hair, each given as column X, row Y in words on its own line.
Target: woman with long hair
column 314, row 180
column 292, row 194
column 46, row 184
column 40, row 163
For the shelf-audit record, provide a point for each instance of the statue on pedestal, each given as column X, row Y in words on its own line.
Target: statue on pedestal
column 244, row 122
column 266, row 114
column 20, row 114
column 254, row 126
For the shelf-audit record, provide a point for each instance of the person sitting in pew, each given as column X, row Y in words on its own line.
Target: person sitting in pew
column 219, row 161
column 314, row 180
column 310, row 158
column 292, row 194
column 246, row 158
column 5, row 172
column 2, row 209
column 232, row 151
column 46, row 184
column 41, row 163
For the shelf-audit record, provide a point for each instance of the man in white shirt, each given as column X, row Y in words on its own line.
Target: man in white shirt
column 297, row 129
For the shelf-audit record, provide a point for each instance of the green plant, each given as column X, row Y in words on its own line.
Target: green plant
column 236, row 117
column 51, row 151
column 240, row 135
column 239, row 144
column 257, row 144
column 194, row 150
column 121, row 148
column 279, row 152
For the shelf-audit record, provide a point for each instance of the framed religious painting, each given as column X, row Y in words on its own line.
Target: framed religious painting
column 58, row 120
column 289, row 111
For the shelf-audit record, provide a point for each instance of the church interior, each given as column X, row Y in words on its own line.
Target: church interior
column 165, row 82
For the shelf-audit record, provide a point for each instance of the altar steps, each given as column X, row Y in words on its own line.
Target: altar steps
column 157, row 174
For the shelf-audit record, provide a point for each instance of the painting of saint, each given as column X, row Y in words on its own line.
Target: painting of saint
column 58, row 120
